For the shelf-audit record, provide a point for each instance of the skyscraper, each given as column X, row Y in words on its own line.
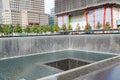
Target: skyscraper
column 23, row 12
column 52, row 17
column 0, row 11
column 52, row 12
column 84, row 12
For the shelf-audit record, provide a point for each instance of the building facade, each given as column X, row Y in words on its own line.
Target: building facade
column 23, row 12
column 0, row 11
column 82, row 12
column 52, row 17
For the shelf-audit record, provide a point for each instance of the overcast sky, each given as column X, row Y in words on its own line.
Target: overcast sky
column 48, row 5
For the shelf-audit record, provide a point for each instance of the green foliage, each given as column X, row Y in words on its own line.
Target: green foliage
column 45, row 28
column 50, row 28
column 35, row 29
column 27, row 29
column 64, row 27
column 1, row 29
column 7, row 29
column 56, row 27
column 99, row 25
column 88, row 27
column 69, row 27
column 41, row 29
column 107, row 25
column 17, row 29
column 11, row 28
column 78, row 27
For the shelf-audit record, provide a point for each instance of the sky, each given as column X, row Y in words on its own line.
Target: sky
column 48, row 5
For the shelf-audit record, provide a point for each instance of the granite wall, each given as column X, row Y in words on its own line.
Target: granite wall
column 17, row 46
column 78, row 73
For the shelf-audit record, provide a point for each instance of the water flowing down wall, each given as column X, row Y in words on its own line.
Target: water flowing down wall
column 18, row 46
column 101, row 43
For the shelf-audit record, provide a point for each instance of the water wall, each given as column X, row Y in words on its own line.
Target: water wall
column 17, row 46
column 101, row 43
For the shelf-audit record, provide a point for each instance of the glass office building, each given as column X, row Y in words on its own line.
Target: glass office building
column 84, row 12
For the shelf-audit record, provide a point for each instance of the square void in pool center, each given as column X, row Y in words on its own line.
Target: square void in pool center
column 67, row 64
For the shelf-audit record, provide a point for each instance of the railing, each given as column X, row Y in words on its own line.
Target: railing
column 80, row 32
column 83, row 32
column 102, row 31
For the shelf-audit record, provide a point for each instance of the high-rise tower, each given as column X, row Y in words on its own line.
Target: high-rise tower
column 23, row 12
column 0, row 11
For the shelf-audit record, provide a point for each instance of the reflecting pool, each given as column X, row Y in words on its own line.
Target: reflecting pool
column 33, row 67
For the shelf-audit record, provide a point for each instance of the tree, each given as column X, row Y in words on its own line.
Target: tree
column 41, row 29
column 64, row 27
column 47, row 28
column 56, row 27
column 17, row 29
column 11, row 28
column 78, row 27
column 98, row 25
column 107, row 25
column 27, row 29
column 1, row 29
column 88, row 27
column 51, row 28
column 44, row 28
column 7, row 29
column 69, row 27
column 35, row 29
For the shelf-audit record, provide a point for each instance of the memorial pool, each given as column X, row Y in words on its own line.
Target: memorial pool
column 34, row 67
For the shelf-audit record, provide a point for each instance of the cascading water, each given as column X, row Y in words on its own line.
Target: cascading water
column 18, row 46
column 30, row 67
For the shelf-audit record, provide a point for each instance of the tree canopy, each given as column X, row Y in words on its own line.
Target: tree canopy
column 88, row 27
column 107, row 25
column 27, row 29
column 34, row 29
column 64, row 28
column 56, row 27
column 1, row 29
column 99, row 25
column 69, row 27
column 17, row 29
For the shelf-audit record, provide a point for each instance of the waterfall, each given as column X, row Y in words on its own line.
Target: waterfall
column 18, row 46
